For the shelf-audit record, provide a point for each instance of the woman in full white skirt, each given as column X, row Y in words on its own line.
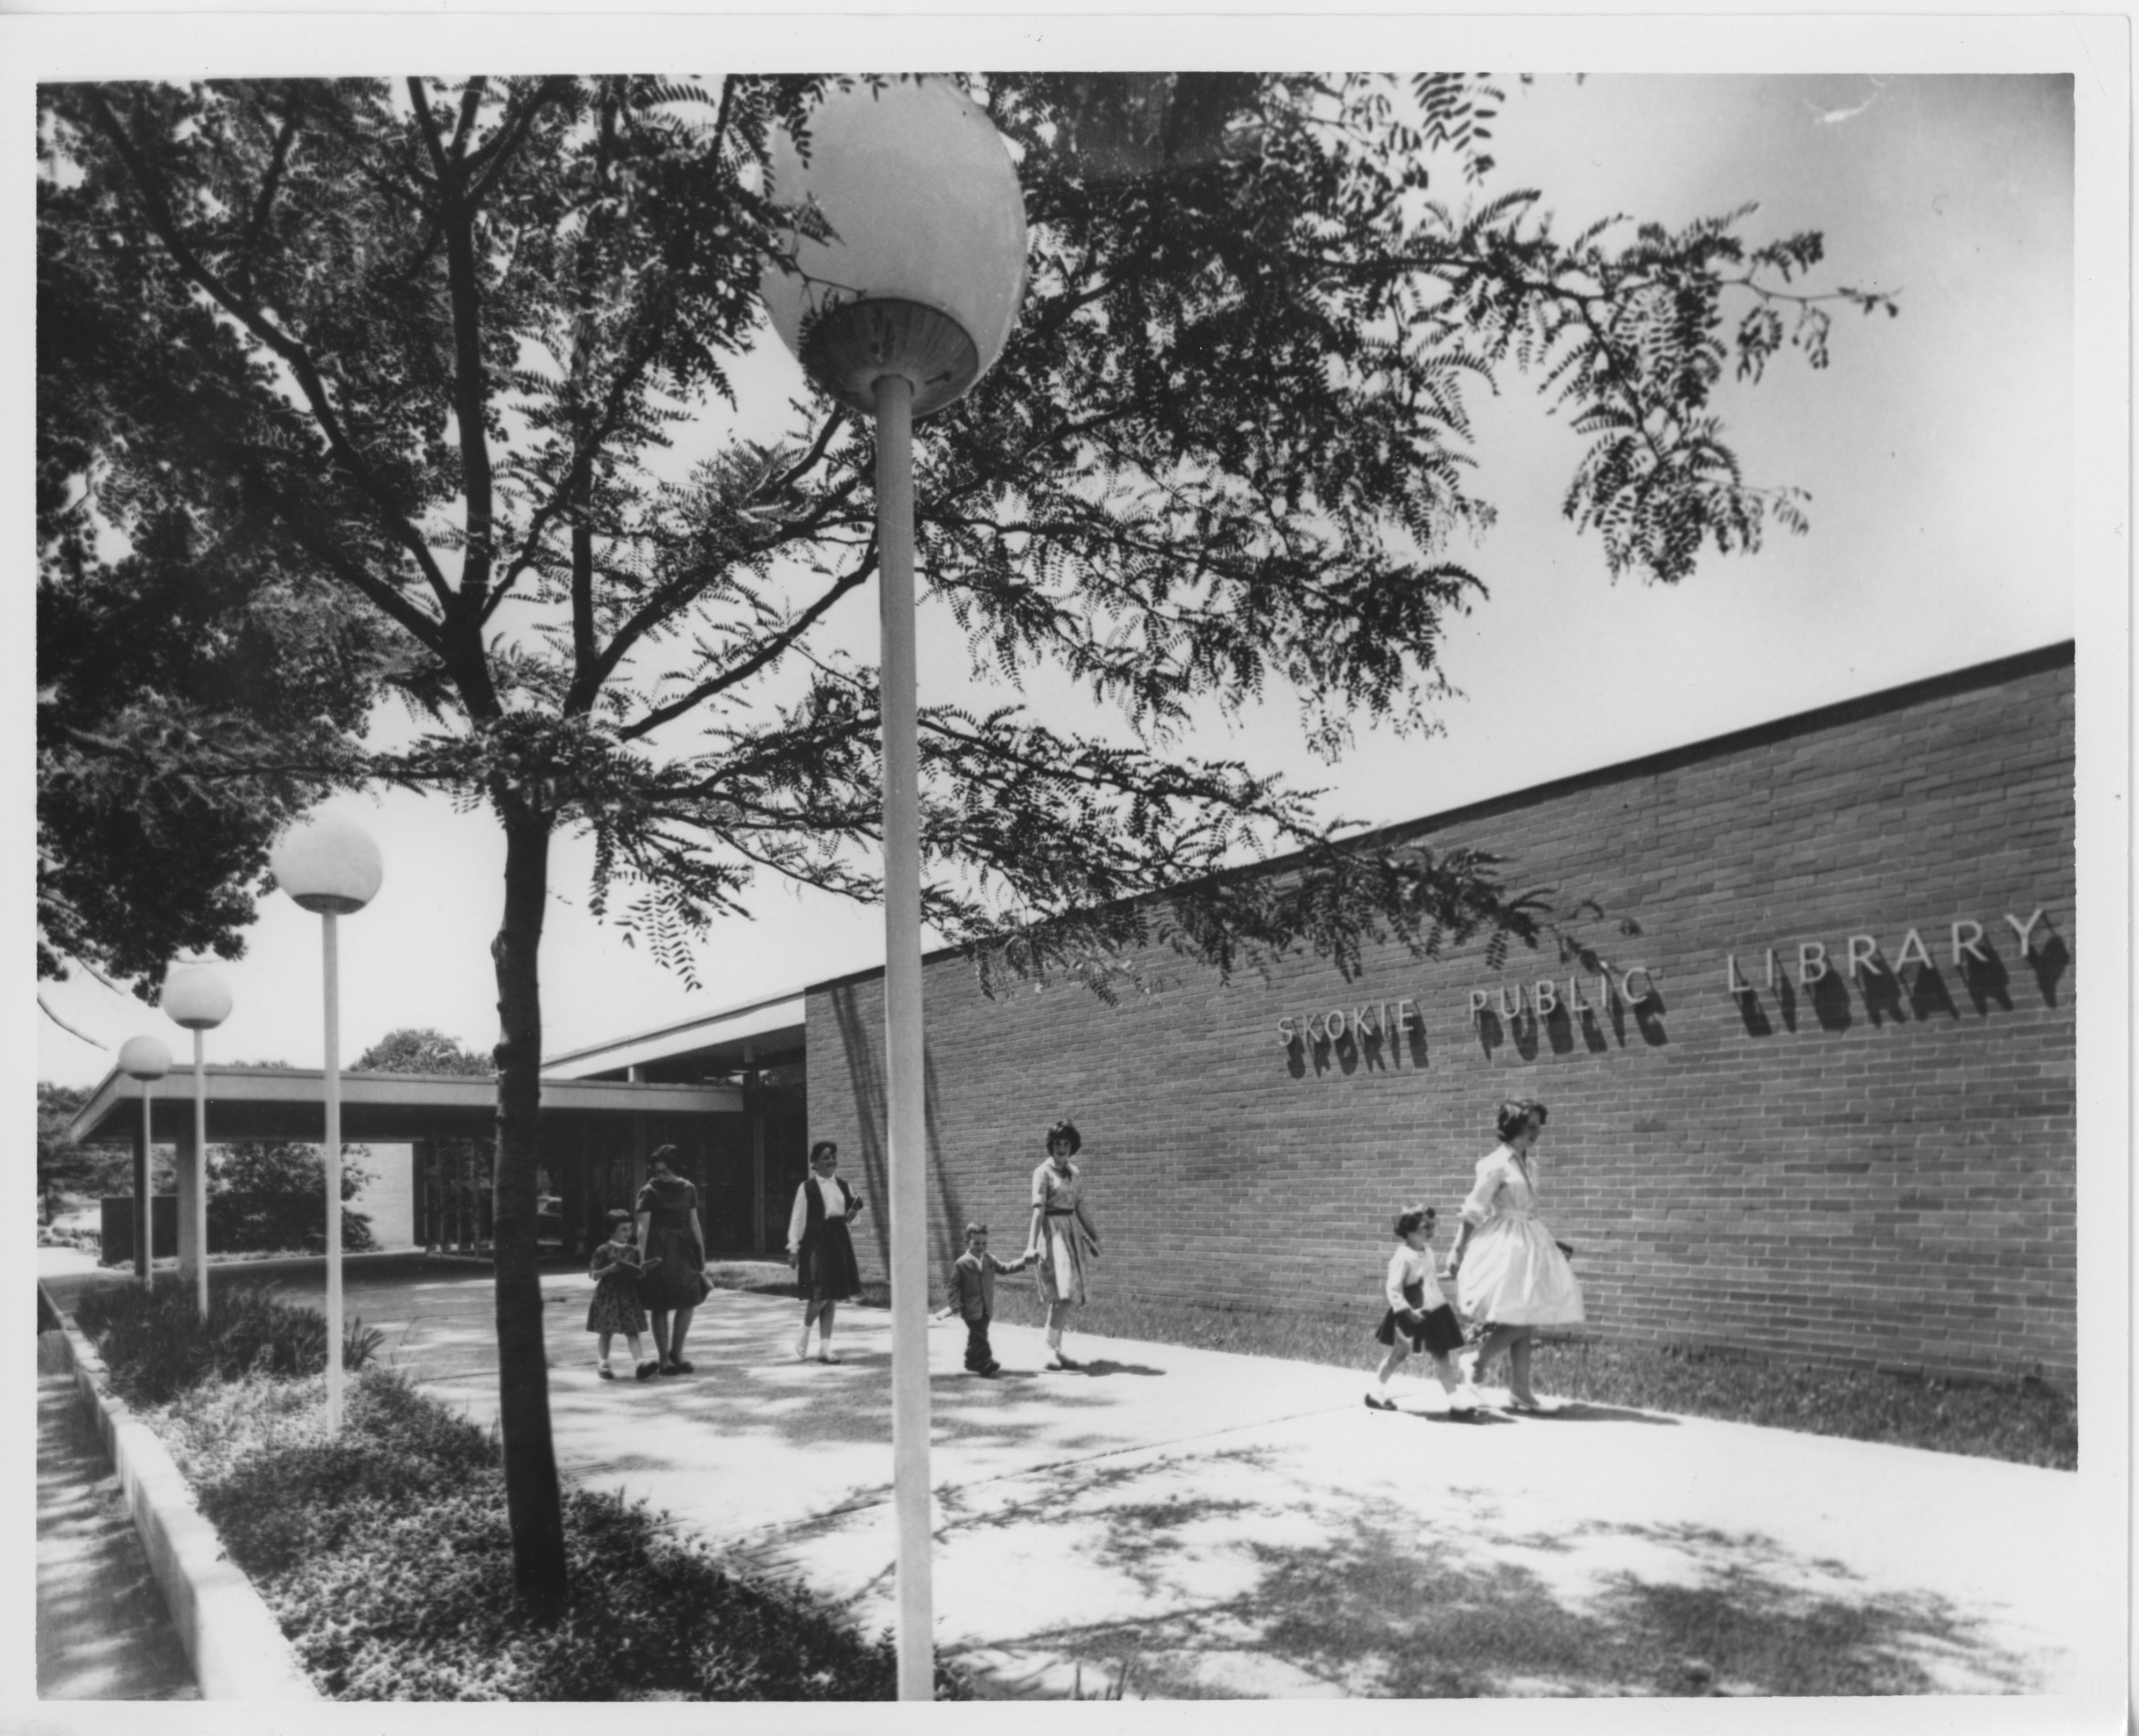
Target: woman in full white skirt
column 1509, row 1272
column 1062, row 1239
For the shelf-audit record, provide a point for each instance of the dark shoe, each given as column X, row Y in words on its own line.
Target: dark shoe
column 682, row 1368
column 605, row 1371
column 1380, row 1404
column 646, row 1371
column 993, row 1368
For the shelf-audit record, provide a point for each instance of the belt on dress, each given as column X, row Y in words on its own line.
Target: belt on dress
column 1059, row 1211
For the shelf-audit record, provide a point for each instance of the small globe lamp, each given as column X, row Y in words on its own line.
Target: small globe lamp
column 330, row 867
column 198, row 1000
column 146, row 1060
column 897, row 313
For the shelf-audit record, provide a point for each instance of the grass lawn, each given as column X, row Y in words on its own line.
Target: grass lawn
column 2026, row 1422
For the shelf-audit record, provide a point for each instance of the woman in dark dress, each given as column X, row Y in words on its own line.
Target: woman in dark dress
column 821, row 1249
column 668, row 1232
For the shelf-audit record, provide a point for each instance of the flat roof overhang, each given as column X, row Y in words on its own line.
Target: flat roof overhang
column 763, row 1027
column 279, row 1103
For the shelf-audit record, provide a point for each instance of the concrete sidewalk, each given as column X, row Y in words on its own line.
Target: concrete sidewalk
column 1236, row 1525
column 103, row 1631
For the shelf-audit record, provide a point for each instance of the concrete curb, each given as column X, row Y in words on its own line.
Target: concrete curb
column 235, row 1644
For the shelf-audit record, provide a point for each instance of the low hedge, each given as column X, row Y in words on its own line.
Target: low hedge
column 157, row 1346
column 386, row 1556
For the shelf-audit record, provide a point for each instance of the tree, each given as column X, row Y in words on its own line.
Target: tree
column 429, row 344
column 412, row 1050
column 190, row 693
column 64, row 1167
column 271, row 1194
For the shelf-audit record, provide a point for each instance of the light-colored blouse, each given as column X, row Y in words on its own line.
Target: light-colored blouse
column 1409, row 1265
column 838, row 1206
column 1503, row 1189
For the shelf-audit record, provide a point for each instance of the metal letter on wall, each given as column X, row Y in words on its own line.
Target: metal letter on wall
column 2023, row 930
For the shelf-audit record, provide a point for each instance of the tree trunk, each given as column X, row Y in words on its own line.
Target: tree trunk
column 531, row 1498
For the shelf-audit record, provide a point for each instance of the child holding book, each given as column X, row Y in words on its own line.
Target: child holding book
column 616, row 1307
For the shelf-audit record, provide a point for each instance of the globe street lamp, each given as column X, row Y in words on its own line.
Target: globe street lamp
column 897, row 313
column 197, row 998
column 146, row 1060
column 330, row 866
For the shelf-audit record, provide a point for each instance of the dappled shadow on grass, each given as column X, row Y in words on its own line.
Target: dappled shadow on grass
column 1372, row 1608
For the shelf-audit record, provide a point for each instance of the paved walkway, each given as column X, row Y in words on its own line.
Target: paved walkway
column 1236, row 1525
column 103, row 1632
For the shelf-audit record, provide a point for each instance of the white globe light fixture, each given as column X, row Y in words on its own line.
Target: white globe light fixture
column 196, row 998
column 146, row 1060
column 897, row 313
column 330, row 866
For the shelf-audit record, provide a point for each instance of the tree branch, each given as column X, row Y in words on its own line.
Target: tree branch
column 470, row 397
column 298, row 358
column 768, row 652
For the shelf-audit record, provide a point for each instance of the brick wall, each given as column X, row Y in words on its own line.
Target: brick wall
column 1878, row 1167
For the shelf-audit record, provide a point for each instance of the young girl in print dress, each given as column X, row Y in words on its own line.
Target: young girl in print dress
column 1418, row 1318
column 615, row 1307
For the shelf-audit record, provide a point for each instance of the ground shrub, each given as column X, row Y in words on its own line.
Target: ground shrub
column 386, row 1556
column 156, row 1345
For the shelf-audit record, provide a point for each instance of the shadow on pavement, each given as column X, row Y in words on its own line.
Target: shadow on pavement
column 1577, row 1410
column 1370, row 1608
column 103, row 1630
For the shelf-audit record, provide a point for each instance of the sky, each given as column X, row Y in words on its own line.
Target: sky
column 1937, row 451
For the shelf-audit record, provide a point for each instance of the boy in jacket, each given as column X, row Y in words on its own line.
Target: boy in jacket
column 972, row 1296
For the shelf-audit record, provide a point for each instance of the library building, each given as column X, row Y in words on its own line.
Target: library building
column 1810, row 1072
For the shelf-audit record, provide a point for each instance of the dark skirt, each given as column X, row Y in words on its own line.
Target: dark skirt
column 615, row 1307
column 824, row 1269
column 1435, row 1333
column 678, row 1281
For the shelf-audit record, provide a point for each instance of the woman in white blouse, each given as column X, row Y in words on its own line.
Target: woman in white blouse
column 821, row 1249
column 1507, row 1270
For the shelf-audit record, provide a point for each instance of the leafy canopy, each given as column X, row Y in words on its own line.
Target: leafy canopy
column 419, row 1049
column 449, row 353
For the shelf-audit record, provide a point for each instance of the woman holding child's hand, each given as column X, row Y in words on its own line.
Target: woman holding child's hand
column 1508, row 1271
column 1062, row 1237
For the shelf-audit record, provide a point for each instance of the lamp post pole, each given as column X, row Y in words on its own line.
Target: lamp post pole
column 146, row 1060
column 196, row 998
column 331, row 975
column 330, row 867
column 197, row 1204
column 896, row 305
column 906, row 1121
